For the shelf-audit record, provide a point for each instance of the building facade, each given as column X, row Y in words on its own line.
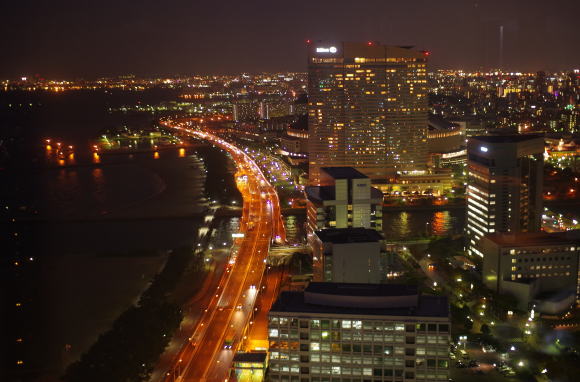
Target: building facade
column 244, row 110
column 504, row 186
column 433, row 183
column 344, row 199
column 536, row 267
column 358, row 332
column 367, row 108
column 349, row 255
column 443, row 136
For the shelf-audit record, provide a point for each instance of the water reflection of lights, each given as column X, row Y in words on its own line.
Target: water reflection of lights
column 440, row 222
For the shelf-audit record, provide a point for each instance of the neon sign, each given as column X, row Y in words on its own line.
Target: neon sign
column 331, row 49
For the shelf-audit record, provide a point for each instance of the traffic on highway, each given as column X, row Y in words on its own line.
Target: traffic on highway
column 224, row 325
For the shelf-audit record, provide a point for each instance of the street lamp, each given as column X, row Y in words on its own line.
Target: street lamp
column 464, row 340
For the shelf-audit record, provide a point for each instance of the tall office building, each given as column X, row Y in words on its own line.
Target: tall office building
column 245, row 110
column 504, row 186
column 367, row 108
column 264, row 110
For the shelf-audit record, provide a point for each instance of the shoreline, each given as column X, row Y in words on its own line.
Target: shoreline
column 451, row 206
column 126, row 247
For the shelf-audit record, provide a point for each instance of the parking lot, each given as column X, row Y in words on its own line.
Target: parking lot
column 476, row 365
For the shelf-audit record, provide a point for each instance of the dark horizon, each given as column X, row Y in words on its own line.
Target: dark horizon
column 65, row 39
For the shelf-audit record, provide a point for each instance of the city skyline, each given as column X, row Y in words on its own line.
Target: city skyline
column 324, row 191
column 70, row 40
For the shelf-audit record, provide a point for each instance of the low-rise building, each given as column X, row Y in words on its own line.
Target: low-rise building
column 450, row 158
column 435, row 182
column 250, row 366
column 472, row 127
column 293, row 147
column 536, row 267
column 443, row 135
column 359, row 332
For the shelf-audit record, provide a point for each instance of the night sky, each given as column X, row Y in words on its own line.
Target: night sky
column 89, row 38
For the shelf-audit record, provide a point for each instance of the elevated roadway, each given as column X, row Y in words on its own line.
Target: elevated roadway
column 224, row 324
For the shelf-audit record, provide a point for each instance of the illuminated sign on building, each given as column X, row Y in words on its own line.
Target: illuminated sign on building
column 454, row 154
column 331, row 49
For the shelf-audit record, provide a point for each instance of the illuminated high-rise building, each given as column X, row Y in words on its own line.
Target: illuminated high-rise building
column 245, row 110
column 367, row 108
column 504, row 186
column 264, row 110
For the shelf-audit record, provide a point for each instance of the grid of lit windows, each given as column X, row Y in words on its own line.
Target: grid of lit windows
column 368, row 112
column 530, row 263
column 349, row 350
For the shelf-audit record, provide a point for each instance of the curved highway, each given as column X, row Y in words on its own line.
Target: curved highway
column 224, row 324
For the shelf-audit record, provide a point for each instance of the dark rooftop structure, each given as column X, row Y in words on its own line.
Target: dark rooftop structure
column 252, row 357
column 508, row 138
column 348, row 235
column 322, row 193
column 524, row 239
column 343, row 172
column 349, row 289
column 437, row 122
column 362, row 300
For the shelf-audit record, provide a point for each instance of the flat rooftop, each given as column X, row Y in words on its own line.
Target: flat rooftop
column 355, row 289
column 437, row 122
column 354, row 299
column 344, row 172
column 349, row 235
column 322, row 193
column 508, row 138
column 525, row 239
column 255, row 357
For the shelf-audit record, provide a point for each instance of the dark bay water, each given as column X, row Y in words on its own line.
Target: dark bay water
column 119, row 188
column 95, row 233
column 398, row 225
